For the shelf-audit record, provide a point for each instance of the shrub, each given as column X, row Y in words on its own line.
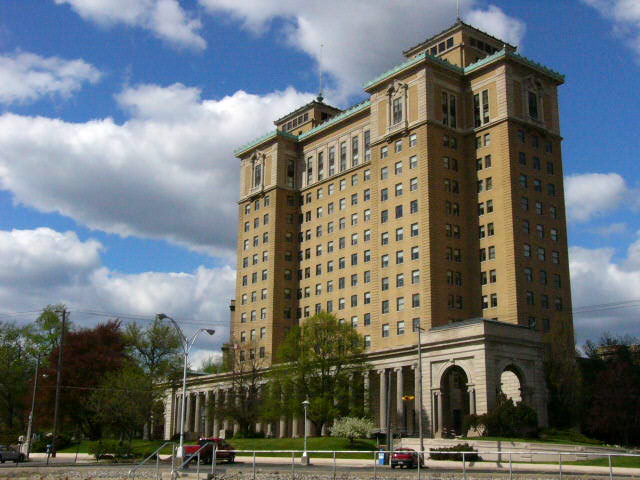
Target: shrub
column 457, row 457
column 507, row 419
column 40, row 445
column 352, row 428
column 110, row 449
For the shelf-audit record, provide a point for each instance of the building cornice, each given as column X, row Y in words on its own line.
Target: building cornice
column 264, row 138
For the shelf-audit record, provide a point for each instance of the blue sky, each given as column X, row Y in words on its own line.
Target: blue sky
column 118, row 121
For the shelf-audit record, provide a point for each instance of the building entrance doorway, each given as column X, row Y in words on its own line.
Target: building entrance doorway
column 455, row 400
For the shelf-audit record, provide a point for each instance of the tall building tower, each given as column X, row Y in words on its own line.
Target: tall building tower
column 435, row 207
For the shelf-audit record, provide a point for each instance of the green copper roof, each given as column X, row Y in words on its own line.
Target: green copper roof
column 505, row 53
column 394, row 70
column 269, row 136
column 332, row 121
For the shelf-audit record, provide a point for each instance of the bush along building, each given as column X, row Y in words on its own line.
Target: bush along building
column 437, row 203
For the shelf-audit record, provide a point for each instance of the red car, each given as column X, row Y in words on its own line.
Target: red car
column 224, row 451
column 406, row 457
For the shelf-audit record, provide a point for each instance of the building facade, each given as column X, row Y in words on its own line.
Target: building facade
column 437, row 203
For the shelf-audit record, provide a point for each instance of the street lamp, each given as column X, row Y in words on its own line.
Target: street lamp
column 33, row 406
column 420, row 388
column 305, row 455
column 186, row 346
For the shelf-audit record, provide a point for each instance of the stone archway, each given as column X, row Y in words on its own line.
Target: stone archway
column 454, row 395
column 511, row 383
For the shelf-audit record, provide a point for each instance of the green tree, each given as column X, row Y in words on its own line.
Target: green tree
column 213, row 365
column 352, row 428
column 317, row 361
column 123, row 400
column 16, row 370
column 157, row 351
column 46, row 331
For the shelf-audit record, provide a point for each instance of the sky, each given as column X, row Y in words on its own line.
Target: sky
column 118, row 121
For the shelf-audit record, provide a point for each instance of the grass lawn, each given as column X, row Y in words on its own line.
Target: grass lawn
column 142, row 447
column 628, row 462
column 568, row 437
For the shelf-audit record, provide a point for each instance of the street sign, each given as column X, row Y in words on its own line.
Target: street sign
column 408, row 398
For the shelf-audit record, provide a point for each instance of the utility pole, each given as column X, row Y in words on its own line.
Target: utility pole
column 58, row 382
column 33, row 406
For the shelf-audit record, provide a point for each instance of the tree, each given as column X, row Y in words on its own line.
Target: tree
column 213, row 365
column 16, row 370
column 89, row 355
column 352, row 428
column 612, row 389
column 123, row 400
column 246, row 371
column 318, row 360
column 506, row 419
column 46, row 331
column 562, row 377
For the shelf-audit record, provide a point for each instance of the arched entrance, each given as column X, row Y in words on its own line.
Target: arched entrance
column 455, row 400
column 512, row 384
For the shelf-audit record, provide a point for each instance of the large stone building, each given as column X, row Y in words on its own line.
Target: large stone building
column 437, row 202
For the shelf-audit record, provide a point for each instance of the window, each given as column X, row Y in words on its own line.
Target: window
column 384, row 152
column 399, row 211
column 491, row 252
column 528, row 274
column 543, row 277
column 537, row 185
column 524, row 203
column 413, row 206
column 396, row 111
column 398, row 146
column 384, row 194
column 536, row 162
column 367, row 273
column 400, row 327
column 399, row 190
column 555, row 257
column 530, row 298
column 413, row 140
column 413, row 162
column 384, row 173
column 413, row 184
column 385, row 260
column 367, row 145
column 551, row 189
column 385, row 306
column 399, row 234
column 384, row 238
column 533, row 105
column 415, row 300
column 384, row 282
column 494, row 300
column 492, row 276
column 354, row 151
column 449, row 109
column 523, row 180
column 415, row 276
column 526, row 249
column 481, row 108
column 400, row 304
column 415, row 253
column 522, row 158
column 398, row 168
column 489, row 206
column 399, row 257
column 400, row 280
column 385, row 330
column 384, row 216
column 343, row 156
column 542, row 254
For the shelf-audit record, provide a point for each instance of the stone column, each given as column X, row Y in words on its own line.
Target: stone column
column 188, row 423
column 294, row 428
column 383, row 399
column 207, row 414
column 399, row 401
column 440, row 411
column 282, row 433
column 365, row 386
column 216, row 413
column 197, row 424
column 169, row 408
column 225, row 421
column 236, row 400
column 176, row 416
column 472, row 400
column 269, row 432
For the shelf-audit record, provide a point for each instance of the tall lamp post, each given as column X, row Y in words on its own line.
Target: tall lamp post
column 420, row 389
column 33, row 406
column 186, row 347
column 305, row 455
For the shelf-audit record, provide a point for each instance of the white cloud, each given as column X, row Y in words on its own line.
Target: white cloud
column 625, row 15
column 26, row 77
column 165, row 18
column 592, row 194
column 361, row 38
column 42, row 267
column 617, row 228
column 166, row 173
column 598, row 278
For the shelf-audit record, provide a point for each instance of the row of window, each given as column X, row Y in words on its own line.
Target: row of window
column 255, row 258
column 399, row 211
column 541, row 253
column 254, row 278
column 256, row 241
column 341, row 163
column 254, row 297
column 256, row 222
column 266, row 201
column 544, row 301
column 252, row 354
column 535, row 141
column 331, row 188
column 524, row 204
column 540, row 231
column 536, row 163
column 537, row 185
column 543, row 277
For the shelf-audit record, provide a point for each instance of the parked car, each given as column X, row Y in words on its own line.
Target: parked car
column 406, row 457
column 224, row 451
column 11, row 455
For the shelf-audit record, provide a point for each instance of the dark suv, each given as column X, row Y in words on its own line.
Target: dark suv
column 11, row 455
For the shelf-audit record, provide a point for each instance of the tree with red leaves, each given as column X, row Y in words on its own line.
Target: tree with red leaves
column 89, row 355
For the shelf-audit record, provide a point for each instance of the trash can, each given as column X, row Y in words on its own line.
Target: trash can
column 383, row 457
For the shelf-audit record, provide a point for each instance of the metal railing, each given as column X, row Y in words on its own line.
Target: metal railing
column 155, row 454
column 467, row 461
